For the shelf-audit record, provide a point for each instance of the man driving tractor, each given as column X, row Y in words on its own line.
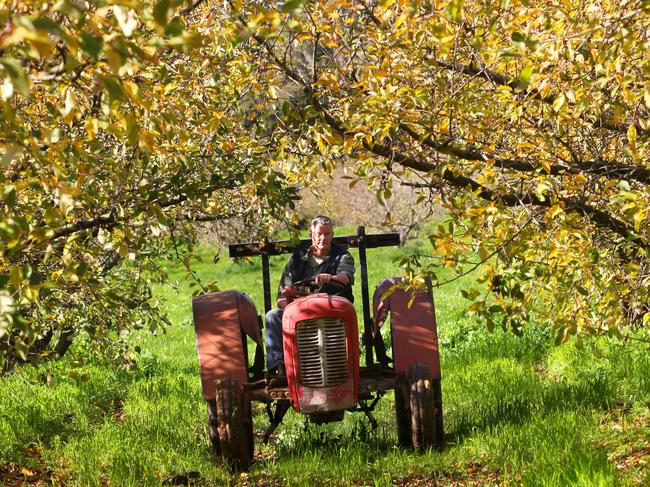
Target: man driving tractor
column 325, row 265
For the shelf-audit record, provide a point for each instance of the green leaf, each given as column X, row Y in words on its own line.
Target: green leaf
column 21, row 349
column 578, row 342
column 291, row 5
column 92, row 45
column 490, row 325
column 16, row 74
column 48, row 25
column 524, row 77
column 518, row 40
column 531, row 43
column 455, row 10
column 175, row 28
column 495, row 308
column 113, row 87
column 558, row 103
column 9, row 195
column 161, row 13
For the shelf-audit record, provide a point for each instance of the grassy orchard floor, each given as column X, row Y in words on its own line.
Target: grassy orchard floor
column 517, row 411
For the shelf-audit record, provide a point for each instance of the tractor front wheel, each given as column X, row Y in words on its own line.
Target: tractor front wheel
column 234, row 424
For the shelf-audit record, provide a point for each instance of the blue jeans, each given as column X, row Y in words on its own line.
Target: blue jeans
column 273, row 330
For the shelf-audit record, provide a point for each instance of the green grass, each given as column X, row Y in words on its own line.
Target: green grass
column 517, row 410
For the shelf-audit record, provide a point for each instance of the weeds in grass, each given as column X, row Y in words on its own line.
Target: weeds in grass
column 517, row 411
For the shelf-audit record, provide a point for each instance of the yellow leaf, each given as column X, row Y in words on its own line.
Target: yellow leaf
column 127, row 19
column 399, row 21
column 638, row 218
column 69, row 108
column 571, row 96
column 132, row 89
column 66, row 198
column 30, row 293
column 147, row 140
column 6, row 89
column 91, row 128
column 114, row 60
column 554, row 211
column 631, row 137
column 67, row 256
column 544, row 88
column 326, row 79
column 483, row 253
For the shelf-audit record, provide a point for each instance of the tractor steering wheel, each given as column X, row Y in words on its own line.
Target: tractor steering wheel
column 315, row 288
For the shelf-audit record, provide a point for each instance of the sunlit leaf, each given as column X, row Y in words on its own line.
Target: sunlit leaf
column 16, row 74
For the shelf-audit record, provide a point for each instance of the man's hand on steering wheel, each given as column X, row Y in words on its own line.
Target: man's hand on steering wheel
column 325, row 278
column 316, row 283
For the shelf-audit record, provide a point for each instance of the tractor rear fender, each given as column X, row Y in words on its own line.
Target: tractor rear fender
column 221, row 322
column 413, row 328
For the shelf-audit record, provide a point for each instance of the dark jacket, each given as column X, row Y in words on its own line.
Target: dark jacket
column 298, row 269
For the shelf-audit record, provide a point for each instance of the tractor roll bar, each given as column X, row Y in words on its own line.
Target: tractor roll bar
column 360, row 241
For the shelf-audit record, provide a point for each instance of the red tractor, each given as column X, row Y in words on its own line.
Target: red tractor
column 322, row 358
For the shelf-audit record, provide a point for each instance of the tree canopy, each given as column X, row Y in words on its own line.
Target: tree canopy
column 123, row 122
column 115, row 139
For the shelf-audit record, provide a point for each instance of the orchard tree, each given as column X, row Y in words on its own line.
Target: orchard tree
column 117, row 133
column 528, row 121
column 124, row 122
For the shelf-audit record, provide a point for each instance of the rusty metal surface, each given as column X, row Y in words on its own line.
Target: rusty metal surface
column 248, row 317
column 371, row 384
column 327, row 399
column 413, row 328
column 218, row 326
column 267, row 395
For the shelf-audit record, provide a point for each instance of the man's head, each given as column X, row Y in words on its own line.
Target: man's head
column 321, row 232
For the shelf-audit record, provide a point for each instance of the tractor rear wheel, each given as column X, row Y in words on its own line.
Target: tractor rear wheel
column 425, row 404
column 234, row 423
column 213, row 425
column 403, row 411
column 437, row 403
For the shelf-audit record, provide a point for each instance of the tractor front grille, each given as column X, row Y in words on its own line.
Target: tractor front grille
column 322, row 352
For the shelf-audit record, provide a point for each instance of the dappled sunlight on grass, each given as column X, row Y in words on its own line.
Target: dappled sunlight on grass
column 517, row 409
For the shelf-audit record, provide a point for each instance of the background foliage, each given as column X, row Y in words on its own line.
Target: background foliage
column 115, row 140
column 528, row 122
column 125, row 122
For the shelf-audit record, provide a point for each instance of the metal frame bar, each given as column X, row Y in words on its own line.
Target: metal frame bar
column 279, row 247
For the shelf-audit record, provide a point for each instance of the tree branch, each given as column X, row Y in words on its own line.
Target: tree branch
column 599, row 217
column 191, row 8
column 599, row 167
column 108, row 220
column 502, row 80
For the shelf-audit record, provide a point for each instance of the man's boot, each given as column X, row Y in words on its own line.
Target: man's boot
column 278, row 376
